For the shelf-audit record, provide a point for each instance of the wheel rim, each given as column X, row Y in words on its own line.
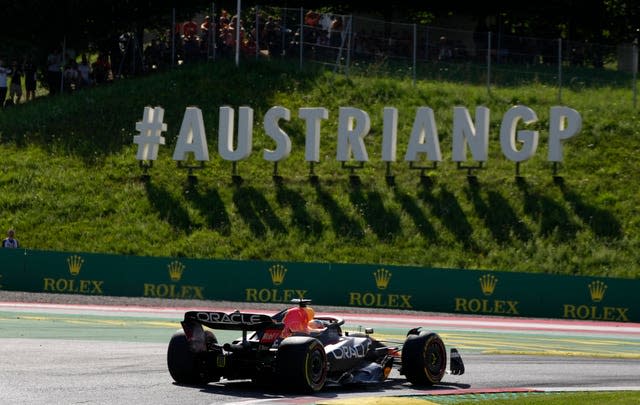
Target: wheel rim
column 434, row 359
column 316, row 367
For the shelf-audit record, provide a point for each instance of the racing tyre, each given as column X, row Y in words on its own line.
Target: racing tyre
column 424, row 358
column 301, row 364
column 184, row 366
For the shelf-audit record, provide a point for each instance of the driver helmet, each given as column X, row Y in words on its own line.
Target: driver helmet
column 310, row 313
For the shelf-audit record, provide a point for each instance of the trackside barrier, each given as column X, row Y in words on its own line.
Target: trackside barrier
column 484, row 292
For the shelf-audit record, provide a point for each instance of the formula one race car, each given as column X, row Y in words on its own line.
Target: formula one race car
column 275, row 353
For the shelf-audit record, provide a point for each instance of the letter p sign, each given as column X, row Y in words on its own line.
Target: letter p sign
column 564, row 122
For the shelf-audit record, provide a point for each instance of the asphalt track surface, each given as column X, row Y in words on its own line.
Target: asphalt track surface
column 58, row 350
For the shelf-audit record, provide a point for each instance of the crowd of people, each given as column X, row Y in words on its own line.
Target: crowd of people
column 11, row 82
column 66, row 74
column 193, row 40
column 19, row 79
column 64, row 71
column 322, row 36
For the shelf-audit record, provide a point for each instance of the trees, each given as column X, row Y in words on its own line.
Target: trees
column 44, row 25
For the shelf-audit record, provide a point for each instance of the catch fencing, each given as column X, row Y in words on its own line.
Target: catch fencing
column 354, row 44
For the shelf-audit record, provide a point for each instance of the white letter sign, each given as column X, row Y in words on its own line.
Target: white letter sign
column 509, row 136
column 225, row 134
column 192, row 137
column 558, row 132
column 271, row 128
column 350, row 137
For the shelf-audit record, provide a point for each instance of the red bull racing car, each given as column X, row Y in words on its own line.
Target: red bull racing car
column 273, row 350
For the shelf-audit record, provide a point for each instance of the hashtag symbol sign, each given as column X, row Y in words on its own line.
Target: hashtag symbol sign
column 150, row 128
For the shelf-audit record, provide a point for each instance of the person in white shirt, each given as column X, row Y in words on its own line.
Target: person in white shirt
column 84, row 68
column 4, row 72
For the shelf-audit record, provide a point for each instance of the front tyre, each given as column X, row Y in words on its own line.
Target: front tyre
column 184, row 366
column 301, row 364
column 424, row 358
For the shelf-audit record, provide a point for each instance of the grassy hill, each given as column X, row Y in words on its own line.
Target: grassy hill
column 70, row 181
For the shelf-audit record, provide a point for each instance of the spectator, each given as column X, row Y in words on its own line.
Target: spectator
column 335, row 32
column 205, row 27
column 10, row 241
column 102, row 68
column 15, row 89
column 271, row 35
column 71, row 76
column 30, row 79
column 190, row 30
column 155, row 55
column 445, row 52
column 3, row 82
column 206, row 34
column 84, row 69
column 54, row 71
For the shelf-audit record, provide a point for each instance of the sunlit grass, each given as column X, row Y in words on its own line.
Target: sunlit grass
column 69, row 179
column 572, row 398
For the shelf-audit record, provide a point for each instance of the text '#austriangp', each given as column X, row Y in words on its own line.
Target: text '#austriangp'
column 468, row 135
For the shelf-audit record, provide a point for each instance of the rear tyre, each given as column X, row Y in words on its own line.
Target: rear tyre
column 301, row 364
column 184, row 365
column 424, row 358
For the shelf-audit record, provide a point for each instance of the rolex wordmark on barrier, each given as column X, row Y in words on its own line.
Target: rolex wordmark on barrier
column 277, row 275
column 382, row 278
column 488, row 283
column 172, row 290
column 596, row 311
column 73, row 285
column 353, row 126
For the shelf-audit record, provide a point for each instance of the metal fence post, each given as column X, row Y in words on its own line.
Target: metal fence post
column 349, row 41
column 559, row 70
column 257, row 32
column 489, row 62
column 173, row 38
column 301, row 36
column 213, row 27
column 238, row 25
column 635, row 71
column 426, row 43
column 415, row 50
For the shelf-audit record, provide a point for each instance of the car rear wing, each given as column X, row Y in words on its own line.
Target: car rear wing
column 231, row 321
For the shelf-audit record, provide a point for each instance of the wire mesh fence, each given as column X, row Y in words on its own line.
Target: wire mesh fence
column 353, row 44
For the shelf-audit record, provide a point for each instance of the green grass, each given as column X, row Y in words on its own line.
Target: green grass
column 573, row 398
column 69, row 179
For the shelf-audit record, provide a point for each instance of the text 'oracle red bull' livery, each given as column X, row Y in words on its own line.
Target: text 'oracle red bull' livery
column 297, row 350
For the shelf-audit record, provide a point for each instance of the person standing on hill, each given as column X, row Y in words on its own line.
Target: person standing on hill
column 10, row 241
column 84, row 69
column 30, row 79
column 15, row 89
column 4, row 72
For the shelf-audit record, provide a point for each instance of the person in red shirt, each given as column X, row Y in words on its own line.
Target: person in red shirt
column 190, row 30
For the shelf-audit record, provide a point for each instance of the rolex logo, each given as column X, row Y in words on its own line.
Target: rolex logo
column 277, row 272
column 175, row 270
column 488, row 283
column 75, row 264
column 382, row 277
column 597, row 290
